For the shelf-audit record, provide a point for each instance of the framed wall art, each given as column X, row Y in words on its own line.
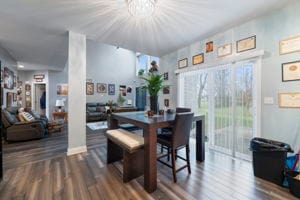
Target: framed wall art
column 166, row 90
column 224, row 50
column 291, row 71
column 129, row 89
column 198, row 59
column 89, row 88
column 111, row 89
column 209, row 47
column 289, row 45
column 166, row 102
column 166, row 76
column 289, row 100
column 122, row 90
column 62, row 89
column 101, row 88
column 8, row 77
column 9, row 99
column 246, row 44
column 183, row 63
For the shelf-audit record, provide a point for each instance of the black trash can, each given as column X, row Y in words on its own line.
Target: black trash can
column 269, row 159
column 294, row 184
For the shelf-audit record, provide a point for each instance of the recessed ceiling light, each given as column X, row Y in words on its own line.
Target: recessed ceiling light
column 21, row 66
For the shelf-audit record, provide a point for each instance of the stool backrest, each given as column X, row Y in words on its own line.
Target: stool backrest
column 182, row 129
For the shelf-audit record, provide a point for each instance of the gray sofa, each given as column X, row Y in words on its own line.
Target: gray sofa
column 95, row 112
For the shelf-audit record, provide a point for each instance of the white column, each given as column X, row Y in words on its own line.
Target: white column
column 76, row 95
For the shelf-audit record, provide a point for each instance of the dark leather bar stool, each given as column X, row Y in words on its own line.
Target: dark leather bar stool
column 169, row 129
column 177, row 138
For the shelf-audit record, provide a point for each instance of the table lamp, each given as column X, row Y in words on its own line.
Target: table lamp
column 59, row 103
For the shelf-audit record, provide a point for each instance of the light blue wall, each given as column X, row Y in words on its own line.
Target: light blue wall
column 111, row 65
column 279, row 124
column 7, row 61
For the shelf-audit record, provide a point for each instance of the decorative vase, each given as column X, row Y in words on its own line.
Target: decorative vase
column 154, row 104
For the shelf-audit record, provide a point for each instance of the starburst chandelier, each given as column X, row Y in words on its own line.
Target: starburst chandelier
column 141, row 8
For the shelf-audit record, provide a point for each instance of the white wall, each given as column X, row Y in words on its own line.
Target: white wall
column 277, row 123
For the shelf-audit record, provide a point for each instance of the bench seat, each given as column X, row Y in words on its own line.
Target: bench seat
column 122, row 144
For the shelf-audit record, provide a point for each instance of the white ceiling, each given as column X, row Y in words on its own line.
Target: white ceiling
column 35, row 31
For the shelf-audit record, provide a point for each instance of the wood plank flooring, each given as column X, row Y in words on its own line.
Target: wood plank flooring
column 41, row 170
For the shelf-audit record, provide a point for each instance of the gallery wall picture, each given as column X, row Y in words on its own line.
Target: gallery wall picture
column 183, row 63
column 166, row 90
column 14, row 97
column 198, row 59
column 9, row 99
column 111, row 89
column 129, row 89
column 166, row 76
column 89, row 88
column 1, row 97
column 224, row 50
column 291, row 71
column 8, row 77
column 209, row 47
column 101, row 88
column 289, row 45
column 62, row 89
column 246, row 44
column 122, row 90
column 166, row 102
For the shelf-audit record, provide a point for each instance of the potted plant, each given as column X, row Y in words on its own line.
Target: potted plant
column 154, row 83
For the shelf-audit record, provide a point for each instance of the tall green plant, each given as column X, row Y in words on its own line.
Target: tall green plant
column 154, row 83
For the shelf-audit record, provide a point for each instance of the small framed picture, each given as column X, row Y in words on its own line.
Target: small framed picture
column 198, row 59
column 101, row 88
column 183, row 63
column 111, row 89
column 14, row 97
column 289, row 100
column 62, row 89
column 166, row 102
column 291, row 71
column 166, row 76
column 224, row 50
column 209, row 47
column 246, row 44
column 166, row 90
column 289, row 45
column 89, row 88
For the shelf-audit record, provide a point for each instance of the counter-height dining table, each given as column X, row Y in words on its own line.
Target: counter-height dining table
column 150, row 126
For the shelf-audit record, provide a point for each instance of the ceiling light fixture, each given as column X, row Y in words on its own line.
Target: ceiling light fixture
column 21, row 66
column 141, row 8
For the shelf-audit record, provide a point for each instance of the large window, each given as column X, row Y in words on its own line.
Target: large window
column 144, row 62
column 225, row 95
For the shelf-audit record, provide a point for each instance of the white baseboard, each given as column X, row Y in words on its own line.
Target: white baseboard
column 76, row 150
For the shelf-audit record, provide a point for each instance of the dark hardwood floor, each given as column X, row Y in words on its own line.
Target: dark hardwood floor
column 41, row 170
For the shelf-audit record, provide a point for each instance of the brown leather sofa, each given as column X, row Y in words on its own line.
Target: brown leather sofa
column 15, row 130
column 95, row 112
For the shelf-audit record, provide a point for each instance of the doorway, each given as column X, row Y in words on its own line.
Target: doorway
column 40, row 98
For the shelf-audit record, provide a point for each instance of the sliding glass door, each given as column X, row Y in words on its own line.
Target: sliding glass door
column 225, row 95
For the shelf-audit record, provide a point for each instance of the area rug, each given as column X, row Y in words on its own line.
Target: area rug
column 97, row 125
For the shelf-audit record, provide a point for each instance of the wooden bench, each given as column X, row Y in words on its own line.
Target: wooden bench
column 122, row 144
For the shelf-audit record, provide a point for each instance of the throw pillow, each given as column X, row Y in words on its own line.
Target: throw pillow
column 26, row 116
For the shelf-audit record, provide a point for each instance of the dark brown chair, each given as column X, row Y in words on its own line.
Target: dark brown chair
column 169, row 129
column 177, row 138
